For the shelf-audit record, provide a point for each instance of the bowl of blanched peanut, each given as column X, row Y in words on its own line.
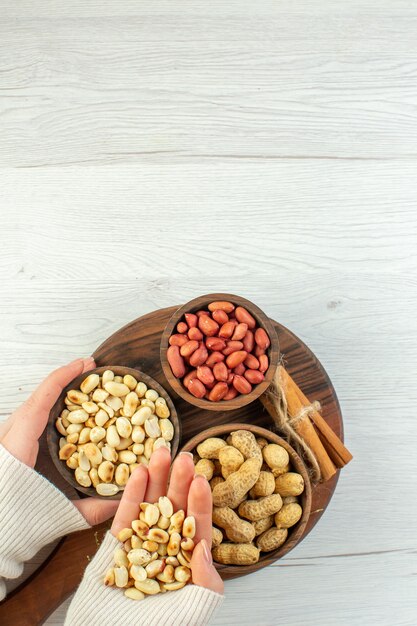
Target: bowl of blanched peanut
column 105, row 423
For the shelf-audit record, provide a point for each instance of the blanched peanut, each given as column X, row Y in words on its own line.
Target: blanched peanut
column 116, row 389
column 93, row 474
column 115, row 403
column 120, row 576
column 127, row 456
column 149, row 586
column 150, row 546
column 187, row 544
column 112, row 436
column 109, row 578
column 84, row 435
column 152, row 428
column 161, row 443
column 138, row 434
column 121, row 474
column 120, row 558
column 139, row 556
column 165, row 506
column 188, row 527
column 90, row 407
column 141, row 415
column 137, row 572
column 167, row 575
column 97, row 434
column 182, row 574
column 151, row 514
column 67, row 451
column 130, row 381
column 109, row 453
column 106, row 408
column 139, row 448
column 106, row 489
column 149, row 447
column 130, row 404
column 167, row 429
column 154, row 568
column 93, row 453
column 124, row 443
column 158, row 534
column 90, row 383
column 60, row 427
column 72, row 462
column 101, row 418
column 82, row 477
column 177, row 520
column 99, row 395
column 162, row 411
column 78, row 416
column 174, row 544
column 83, row 461
column 141, row 389
column 106, row 471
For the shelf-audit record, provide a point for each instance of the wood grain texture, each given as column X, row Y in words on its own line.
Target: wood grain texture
column 153, row 151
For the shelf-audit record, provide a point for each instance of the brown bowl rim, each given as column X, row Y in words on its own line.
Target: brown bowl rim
column 242, row 400
column 52, row 435
column 306, row 497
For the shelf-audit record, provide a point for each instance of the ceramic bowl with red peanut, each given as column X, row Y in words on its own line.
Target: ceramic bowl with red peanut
column 219, row 351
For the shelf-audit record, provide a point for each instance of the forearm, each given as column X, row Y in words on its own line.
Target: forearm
column 33, row 513
column 97, row 605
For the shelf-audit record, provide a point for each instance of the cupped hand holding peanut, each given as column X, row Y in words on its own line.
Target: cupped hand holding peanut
column 188, row 492
column 21, row 432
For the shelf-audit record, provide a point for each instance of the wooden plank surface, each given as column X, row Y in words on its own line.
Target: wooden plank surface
column 153, row 151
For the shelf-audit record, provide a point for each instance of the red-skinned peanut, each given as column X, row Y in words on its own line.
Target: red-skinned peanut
column 177, row 340
column 240, row 332
column 191, row 320
column 243, row 316
column 241, row 384
column 220, row 316
column 176, row 361
column 208, row 326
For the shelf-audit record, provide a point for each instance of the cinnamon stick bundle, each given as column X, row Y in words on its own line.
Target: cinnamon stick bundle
column 291, row 411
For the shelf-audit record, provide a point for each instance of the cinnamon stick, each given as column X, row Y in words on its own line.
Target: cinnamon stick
column 339, row 454
column 303, row 426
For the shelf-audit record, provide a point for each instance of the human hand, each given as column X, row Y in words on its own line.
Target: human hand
column 21, row 432
column 186, row 491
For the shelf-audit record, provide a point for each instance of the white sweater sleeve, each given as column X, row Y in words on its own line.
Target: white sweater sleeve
column 33, row 513
column 97, row 605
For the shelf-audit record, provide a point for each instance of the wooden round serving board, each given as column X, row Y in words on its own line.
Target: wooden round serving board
column 137, row 345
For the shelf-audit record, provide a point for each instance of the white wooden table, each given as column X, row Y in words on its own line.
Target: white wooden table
column 152, row 151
